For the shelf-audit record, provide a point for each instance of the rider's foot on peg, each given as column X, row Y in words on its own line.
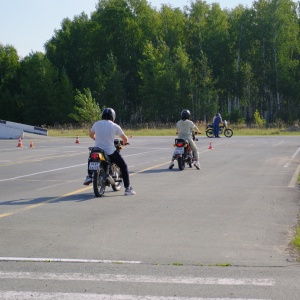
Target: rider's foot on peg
column 129, row 191
column 88, row 180
column 171, row 165
column 197, row 165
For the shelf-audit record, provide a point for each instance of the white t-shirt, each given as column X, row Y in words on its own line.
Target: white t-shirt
column 106, row 132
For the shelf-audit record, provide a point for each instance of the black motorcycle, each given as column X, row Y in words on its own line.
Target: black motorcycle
column 183, row 153
column 105, row 173
column 228, row 132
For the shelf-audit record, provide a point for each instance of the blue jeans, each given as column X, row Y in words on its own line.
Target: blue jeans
column 216, row 130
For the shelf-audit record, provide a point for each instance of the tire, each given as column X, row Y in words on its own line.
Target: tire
column 181, row 163
column 99, row 182
column 209, row 132
column 228, row 132
column 117, row 175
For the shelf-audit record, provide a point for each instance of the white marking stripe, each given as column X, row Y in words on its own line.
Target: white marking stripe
column 42, row 172
column 11, row 295
column 26, row 259
column 294, row 155
column 137, row 278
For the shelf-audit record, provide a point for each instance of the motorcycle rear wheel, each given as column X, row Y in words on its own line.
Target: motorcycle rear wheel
column 99, row 182
column 117, row 176
column 209, row 133
column 228, row 132
column 181, row 163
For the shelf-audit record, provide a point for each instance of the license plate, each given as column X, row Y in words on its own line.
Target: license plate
column 94, row 166
column 179, row 150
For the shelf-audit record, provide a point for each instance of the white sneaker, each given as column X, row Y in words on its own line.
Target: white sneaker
column 129, row 191
column 197, row 165
column 88, row 180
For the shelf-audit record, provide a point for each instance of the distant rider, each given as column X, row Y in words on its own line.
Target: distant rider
column 185, row 127
column 103, row 132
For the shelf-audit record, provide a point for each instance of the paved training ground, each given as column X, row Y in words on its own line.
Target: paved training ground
column 219, row 233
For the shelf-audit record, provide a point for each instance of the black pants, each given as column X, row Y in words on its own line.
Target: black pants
column 120, row 162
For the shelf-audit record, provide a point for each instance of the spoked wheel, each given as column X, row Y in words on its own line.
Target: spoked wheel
column 228, row 132
column 181, row 163
column 209, row 133
column 117, row 176
column 99, row 182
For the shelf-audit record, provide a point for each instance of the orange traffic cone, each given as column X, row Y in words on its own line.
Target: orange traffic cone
column 210, row 146
column 20, row 142
column 77, row 140
column 31, row 144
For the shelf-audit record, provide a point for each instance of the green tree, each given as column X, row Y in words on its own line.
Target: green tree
column 86, row 109
column 46, row 95
column 9, row 67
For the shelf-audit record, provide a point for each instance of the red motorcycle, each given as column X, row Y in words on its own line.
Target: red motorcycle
column 183, row 153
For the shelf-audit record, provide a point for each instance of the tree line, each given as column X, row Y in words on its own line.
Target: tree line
column 149, row 64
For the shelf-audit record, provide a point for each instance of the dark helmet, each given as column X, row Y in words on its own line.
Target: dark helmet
column 185, row 114
column 108, row 114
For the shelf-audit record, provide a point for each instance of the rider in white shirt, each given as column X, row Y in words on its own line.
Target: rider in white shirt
column 185, row 127
column 103, row 132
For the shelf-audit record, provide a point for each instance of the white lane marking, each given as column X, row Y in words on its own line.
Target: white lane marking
column 138, row 278
column 42, row 172
column 67, row 260
column 12, row 295
column 294, row 155
column 59, row 169
column 294, row 180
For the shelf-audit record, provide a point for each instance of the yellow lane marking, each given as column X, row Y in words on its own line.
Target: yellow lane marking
column 68, row 194
column 43, row 203
column 147, row 169
column 73, row 193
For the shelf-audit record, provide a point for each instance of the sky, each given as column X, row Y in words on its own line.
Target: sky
column 28, row 24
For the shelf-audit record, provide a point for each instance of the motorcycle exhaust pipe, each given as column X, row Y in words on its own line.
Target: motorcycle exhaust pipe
column 110, row 179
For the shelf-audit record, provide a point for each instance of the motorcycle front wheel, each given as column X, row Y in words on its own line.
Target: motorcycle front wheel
column 228, row 132
column 117, row 176
column 99, row 182
column 209, row 132
column 181, row 163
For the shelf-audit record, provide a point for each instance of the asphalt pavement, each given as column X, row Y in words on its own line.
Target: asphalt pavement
column 222, row 232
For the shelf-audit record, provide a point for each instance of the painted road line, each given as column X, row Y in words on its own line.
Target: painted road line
column 31, row 159
column 42, row 172
column 294, row 181
column 139, row 278
column 12, row 295
column 68, row 260
column 60, row 197
column 42, row 203
column 293, row 156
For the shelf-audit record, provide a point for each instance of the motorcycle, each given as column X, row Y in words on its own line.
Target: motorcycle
column 228, row 132
column 105, row 173
column 183, row 153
